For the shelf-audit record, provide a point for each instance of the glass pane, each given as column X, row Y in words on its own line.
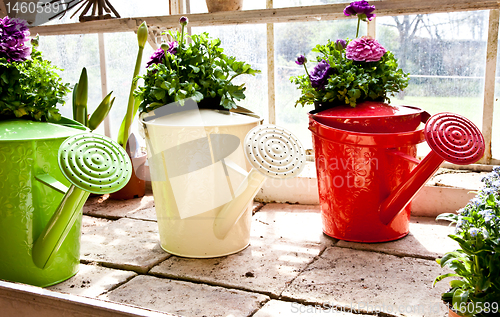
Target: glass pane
column 246, row 43
column 121, row 54
column 445, row 55
column 292, row 40
column 72, row 53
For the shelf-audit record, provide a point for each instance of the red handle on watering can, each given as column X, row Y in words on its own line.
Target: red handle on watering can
column 451, row 137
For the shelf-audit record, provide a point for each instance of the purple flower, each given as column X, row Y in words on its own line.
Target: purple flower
column 320, row 74
column 362, row 9
column 183, row 21
column 159, row 54
column 156, row 58
column 340, row 44
column 13, row 35
column 365, row 49
column 172, row 47
column 301, row 60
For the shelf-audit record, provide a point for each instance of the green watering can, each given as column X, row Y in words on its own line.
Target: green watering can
column 47, row 172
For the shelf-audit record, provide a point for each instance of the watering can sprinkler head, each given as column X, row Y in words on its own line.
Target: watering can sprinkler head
column 273, row 152
column 92, row 164
column 451, row 137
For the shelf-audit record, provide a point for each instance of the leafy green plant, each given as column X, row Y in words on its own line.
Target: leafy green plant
column 352, row 82
column 80, row 97
column 351, row 71
column 477, row 261
column 197, row 70
column 31, row 89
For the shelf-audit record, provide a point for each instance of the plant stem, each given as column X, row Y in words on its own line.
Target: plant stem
column 129, row 117
column 357, row 30
column 182, row 37
column 308, row 76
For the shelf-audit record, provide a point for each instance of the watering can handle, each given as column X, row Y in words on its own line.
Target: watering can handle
column 451, row 137
column 58, row 227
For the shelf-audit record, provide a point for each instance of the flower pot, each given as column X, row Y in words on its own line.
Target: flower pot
column 190, row 184
column 136, row 186
column 224, row 5
column 29, row 149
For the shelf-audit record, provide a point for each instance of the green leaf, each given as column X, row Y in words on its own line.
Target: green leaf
column 195, row 69
column 159, row 94
column 457, row 283
column 460, row 298
column 441, row 277
column 80, row 106
column 101, row 112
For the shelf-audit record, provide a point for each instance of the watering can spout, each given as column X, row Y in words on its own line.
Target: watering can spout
column 272, row 152
column 85, row 160
column 451, row 137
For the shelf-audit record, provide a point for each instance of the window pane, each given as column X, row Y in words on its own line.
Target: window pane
column 445, row 55
column 72, row 53
column 121, row 54
column 246, row 43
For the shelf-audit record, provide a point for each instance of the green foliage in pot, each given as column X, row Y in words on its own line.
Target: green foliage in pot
column 196, row 70
column 477, row 261
column 29, row 85
column 351, row 71
column 80, row 97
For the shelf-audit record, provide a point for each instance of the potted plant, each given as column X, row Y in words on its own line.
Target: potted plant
column 193, row 138
column 136, row 187
column 349, row 72
column 476, row 262
column 353, row 126
column 199, row 70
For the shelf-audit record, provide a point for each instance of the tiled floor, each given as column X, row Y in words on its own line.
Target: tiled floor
column 289, row 269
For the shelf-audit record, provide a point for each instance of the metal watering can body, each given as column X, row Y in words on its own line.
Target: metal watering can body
column 38, row 200
column 366, row 180
column 187, row 154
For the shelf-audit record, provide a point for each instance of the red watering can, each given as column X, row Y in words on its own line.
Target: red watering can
column 367, row 167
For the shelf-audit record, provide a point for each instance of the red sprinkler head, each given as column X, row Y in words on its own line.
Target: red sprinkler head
column 454, row 138
column 451, row 137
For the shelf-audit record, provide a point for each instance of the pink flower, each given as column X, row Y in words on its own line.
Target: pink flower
column 365, row 49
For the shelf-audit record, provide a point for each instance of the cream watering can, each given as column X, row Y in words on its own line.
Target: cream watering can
column 199, row 174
